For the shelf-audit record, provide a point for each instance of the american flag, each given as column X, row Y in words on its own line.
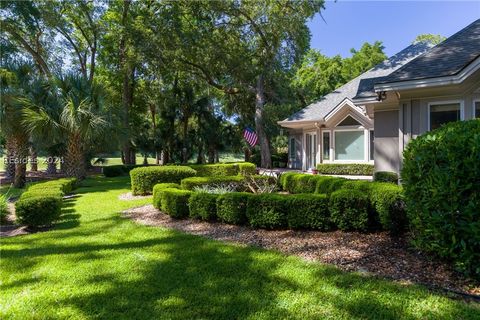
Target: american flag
column 250, row 136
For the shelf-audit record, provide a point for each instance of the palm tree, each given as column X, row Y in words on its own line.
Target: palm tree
column 15, row 80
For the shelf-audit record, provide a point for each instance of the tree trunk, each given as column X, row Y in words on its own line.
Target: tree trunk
column 200, row 155
column 51, row 165
column 217, row 159
column 247, row 154
column 266, row 159
column 10, row 159
column 21, row 159
column 211, row 153
column 145, row 159
column 33, row 159
column 75, row 162
column 165, row 157
column 185, row 133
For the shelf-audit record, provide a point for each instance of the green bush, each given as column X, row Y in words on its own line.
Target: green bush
column 267, row 211
column 191, row 183
column 441, row 182
column 36, row 211
column 302, row 183
column 143, row 179
column 232, row 207
column 174, row 202
column 224, row 169
column 387, row 201
column 3, row 209
column 158, row 188
column 247, row 168
column 385, row 176
column 349, row 210
column 308, row 211
column 327, row 185
column 203, row 205
column 286, row 180
column 346, row 169
column 65, row 185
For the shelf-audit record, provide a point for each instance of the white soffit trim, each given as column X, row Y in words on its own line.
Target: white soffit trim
column 431, row 82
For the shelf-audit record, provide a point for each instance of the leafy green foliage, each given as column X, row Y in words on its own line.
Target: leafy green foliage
column 388, row 202
column 203, row 205
column 385, row 176
column 440, row 179
column 224, row 169
column 193, row 182
column 308, row 211
column 3, row 208
column 118, row 170
column 232, row 207
column 143, row 179
column 349, row 210
column 157, row 190
column 327, row 185
column 346, row 169
column 267, row 211
column 174, row 202
column 430, row 38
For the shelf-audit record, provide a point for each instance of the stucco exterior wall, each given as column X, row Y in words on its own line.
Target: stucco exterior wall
column 386, row 153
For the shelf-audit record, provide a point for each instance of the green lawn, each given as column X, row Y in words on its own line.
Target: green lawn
column 96, row 264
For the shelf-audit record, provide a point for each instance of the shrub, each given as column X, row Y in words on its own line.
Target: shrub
column 327, row 185
column 36, row 211
column 387, row 201
column 3, row 208
column 247, row 168
column 158, row 188
column 385, row 176
column 302, row 183
column 232, row 207
column 191, row 183
column 349, row 210
column 441, row 187
column 64, row 185
column 143, row 179
column 174, row 202
column 346, row 169
column 203, row 205
column 267, row 211
column 286, row 180
column 308, row 211
column 215, row 170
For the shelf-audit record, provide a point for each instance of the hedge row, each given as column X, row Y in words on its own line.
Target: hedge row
column 3, row 208
column 143, row 179
column 224, row 169
column 41, row 204
column 346, row 169
column 385, row 200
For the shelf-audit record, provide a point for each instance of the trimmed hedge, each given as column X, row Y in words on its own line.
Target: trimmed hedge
column 203, row 205
column 42, row 203
column 346, row 169
column 388, row 202
column 143, row 179
column 441, row 171
column 385, row 176
column 232, row 207
column 308, row 211
column 191, row 183
column 174, row 202
column 349, row 210
column 302, row 183
column 286, row 180
column 118, row 170
column 3, row 208
column 158, row 188
column 328, row 185
column 267, row 211
column 224, row 169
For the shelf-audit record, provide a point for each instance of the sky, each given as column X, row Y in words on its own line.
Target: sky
column 348, row 24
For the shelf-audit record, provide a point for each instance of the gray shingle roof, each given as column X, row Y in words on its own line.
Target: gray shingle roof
column 360, row 87
column 446, row 59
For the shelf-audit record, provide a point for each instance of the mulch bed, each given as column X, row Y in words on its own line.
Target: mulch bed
column 373, row 253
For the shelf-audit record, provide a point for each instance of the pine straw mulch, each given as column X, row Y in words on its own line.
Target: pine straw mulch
column 373, row 253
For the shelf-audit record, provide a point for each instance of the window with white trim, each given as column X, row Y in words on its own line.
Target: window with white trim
column 292, row 149
column 443, row 113
column 350, row 145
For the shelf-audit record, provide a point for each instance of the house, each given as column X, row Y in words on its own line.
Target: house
column 371, row 118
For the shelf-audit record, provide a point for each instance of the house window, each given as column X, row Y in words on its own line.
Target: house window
column 326, row 145
column 372, row 144
column 444, row 113
column 350, row 145
column 348, row 121
column 292, row 149
column 477, row 109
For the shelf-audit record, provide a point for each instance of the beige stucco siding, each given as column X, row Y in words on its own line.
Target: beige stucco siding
column 386, row 141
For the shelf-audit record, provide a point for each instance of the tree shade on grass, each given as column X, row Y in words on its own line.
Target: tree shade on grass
column 96, row 264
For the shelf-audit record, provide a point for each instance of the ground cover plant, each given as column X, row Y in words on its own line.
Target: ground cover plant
column 96, row 264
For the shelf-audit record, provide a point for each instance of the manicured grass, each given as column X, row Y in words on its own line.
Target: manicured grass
column 96, row 264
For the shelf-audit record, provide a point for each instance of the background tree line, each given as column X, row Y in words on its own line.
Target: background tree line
column 179, row 80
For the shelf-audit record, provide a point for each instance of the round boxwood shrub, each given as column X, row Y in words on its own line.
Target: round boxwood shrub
column 327, row 185
column 143, row 179
column 203, row 205
column 308, row 211
column 385, row 176
column 158, row 188
column 387, row 201
column 174, row 202
column 232, row 207
column 267, row 211
column 349, row 210
column 440, row 176
column 36, row 211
